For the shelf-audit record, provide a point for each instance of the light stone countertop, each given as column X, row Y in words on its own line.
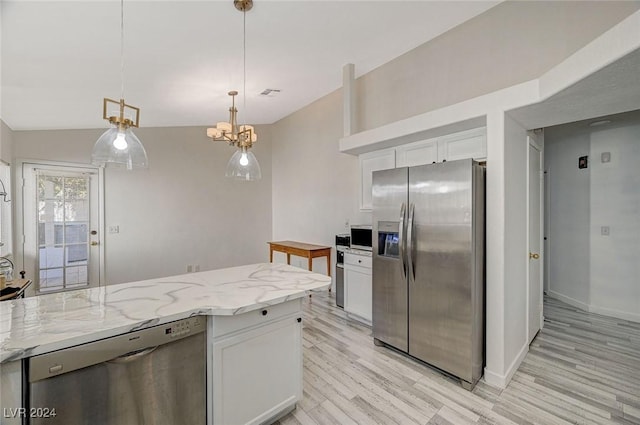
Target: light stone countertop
column 46, row 323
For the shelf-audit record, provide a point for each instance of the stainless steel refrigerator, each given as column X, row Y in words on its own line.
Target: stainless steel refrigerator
column 428, row 264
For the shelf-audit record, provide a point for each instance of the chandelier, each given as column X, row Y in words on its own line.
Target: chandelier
column 119, row 146
column 243, row 164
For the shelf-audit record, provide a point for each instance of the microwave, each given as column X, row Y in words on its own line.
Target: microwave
column 361, row 237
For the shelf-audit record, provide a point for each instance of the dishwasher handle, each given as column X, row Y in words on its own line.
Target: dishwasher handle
column 133, row 356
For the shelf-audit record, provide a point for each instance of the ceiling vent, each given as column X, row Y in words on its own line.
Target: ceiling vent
column 269, row 92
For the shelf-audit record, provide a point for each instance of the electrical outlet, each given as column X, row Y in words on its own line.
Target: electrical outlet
column 189, row 268
column 114, row 229
column 196, row 268
column 604, row 230
column 346, row 224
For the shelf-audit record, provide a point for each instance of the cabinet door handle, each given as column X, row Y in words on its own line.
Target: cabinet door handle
column 264, row 312
column 359, row 261
column 299, row 319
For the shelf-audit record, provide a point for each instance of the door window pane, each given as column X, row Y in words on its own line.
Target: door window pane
column 51, row 280
column 63, row 231
column 76, row 276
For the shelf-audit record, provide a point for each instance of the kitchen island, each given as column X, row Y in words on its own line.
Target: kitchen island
column 243, row 305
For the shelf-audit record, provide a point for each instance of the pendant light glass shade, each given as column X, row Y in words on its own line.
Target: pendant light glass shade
column 243, row 165
column 119, row 149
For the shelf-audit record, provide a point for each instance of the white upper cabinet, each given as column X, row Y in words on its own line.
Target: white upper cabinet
column 461, row 145
column 370, row 162
column 417, row 153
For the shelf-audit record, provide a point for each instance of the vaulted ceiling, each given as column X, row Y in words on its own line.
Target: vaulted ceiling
column 60, row 58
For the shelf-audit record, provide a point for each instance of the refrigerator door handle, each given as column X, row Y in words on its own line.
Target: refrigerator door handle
column 403, row 213
column 410, row 247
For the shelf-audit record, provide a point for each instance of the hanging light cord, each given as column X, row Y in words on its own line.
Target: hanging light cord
column 121, row 49
column 244, row 64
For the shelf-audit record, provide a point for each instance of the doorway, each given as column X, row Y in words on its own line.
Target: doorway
column 535, row 196
column 61, row 226
column 594, row 225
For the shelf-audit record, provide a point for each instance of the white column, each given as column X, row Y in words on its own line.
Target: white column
column 494, row 373
column 349, row 99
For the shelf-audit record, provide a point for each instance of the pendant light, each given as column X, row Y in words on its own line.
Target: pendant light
column 243, row 164
column 119, row 146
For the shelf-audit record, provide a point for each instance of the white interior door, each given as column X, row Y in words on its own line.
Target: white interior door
column 61, row 211
column 535, row 238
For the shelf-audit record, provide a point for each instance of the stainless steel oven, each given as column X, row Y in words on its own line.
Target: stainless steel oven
column 152, row 376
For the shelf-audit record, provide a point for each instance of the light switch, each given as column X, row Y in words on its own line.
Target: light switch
column 605, row 157
column 114, row 229
column 604, row 230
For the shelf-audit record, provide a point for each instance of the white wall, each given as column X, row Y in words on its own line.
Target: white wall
column 568, row 236
column 588, row 269
column 510, row 43
column 6, row 142
column 180, row 211
column 516, row 250
column 6, row 152
column 315, row 187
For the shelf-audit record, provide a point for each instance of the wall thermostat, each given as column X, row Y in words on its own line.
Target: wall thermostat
column 583, row 162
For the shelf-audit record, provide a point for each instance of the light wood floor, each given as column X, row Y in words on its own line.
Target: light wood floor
column 581, row 369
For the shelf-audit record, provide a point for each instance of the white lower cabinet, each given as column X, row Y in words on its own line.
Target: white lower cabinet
column 257, row 370
column 357, row 287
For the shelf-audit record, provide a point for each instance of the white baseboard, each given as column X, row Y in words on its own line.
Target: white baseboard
column 624, row 315
column 501, row 381
column 618, row 314
column 571, row 301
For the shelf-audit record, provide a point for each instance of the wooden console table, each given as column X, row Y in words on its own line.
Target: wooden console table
column 307, row 250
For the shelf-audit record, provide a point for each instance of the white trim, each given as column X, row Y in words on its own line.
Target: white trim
column 495, row 245
column 501, row 381
column 568, row 300
column 462, row 116
column 348, row 99
column 618, row 314
column 19, row 235
column 102, row 227
column 624, row 315
column 533, row 142
column 612, row 45
column 528, row 239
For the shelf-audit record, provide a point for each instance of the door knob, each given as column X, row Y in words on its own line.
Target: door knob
column 94, row 243
column 534, row 256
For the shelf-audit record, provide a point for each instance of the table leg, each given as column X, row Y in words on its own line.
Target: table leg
column 271, row 255
column 329, row 265
column 310, row 263
column 288, row 258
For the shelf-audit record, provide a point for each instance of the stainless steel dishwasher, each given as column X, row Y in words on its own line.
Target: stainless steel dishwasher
column 152, row 376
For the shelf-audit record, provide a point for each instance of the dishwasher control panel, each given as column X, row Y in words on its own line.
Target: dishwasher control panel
column 121, row 348
column 184, row 327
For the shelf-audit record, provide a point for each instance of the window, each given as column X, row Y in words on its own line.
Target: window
column 63, row 231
